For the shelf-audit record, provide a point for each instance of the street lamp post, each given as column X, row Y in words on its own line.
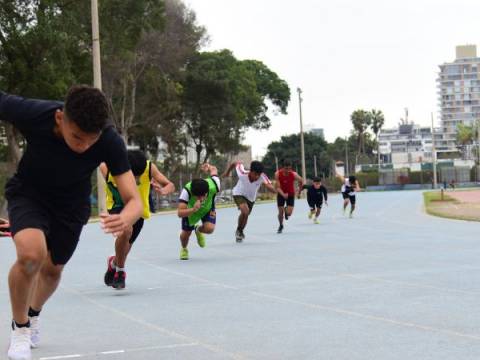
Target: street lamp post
column 97, row 82
column 302, row 143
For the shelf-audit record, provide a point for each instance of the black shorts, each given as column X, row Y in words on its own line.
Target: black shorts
column 281, row 200
column 351, row 197
column 137, row 227
column 210, row 217
column 239, row 199
column 62, row 227
column 315, row 204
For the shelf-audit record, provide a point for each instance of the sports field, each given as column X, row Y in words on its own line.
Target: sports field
column 391, row 283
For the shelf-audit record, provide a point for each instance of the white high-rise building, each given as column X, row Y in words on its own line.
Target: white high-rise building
column 459, row 95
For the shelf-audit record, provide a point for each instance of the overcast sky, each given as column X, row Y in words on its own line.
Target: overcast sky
column 344, row 54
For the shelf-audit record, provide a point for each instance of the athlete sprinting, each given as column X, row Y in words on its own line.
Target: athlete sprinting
column 315, row 195
column 349, row 186
column 245, row 192
column 285, row 183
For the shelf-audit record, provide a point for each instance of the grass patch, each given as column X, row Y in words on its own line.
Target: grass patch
column 449, row 208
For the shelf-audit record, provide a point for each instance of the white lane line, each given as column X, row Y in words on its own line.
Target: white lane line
column 328, row 308
column 369, row 317
column 164, row 331
column 113, row 352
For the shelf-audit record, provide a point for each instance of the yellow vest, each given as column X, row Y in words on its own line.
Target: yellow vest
column 114, row 200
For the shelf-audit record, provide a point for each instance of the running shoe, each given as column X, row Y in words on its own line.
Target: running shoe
column 35, row 331
column 20, row 344
column 110, row 273
column 183, row 254
column 119, row 280
column 310, row 214
column 280, row 229
column 239, row 236
column 200, row 237
column 351, row 216
column 316, row 221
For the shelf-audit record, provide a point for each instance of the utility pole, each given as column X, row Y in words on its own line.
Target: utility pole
column 302, row 143
column 434, row 156
column 97, row 82
column 346, row 156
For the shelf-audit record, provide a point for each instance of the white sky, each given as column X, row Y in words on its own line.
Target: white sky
column 344, row 54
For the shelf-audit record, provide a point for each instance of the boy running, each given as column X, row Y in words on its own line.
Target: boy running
column 349, row 186
column 146, row 175
column 49, row 196
column 197, row 202
column 245, row 192
column 315, row 195
column 285, row 183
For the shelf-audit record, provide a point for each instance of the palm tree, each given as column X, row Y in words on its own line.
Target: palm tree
column 361, row 119
column 378, row 119
column 465, row 135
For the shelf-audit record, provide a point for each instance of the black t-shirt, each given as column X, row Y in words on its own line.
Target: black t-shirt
column 49, row 169
column 316, row 195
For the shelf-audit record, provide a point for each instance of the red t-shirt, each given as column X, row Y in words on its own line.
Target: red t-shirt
column 287, row 182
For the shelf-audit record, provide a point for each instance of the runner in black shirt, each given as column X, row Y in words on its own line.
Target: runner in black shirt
column 315, row 195
column 48, row 197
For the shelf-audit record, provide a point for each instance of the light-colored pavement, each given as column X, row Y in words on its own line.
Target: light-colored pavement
column 392, row 283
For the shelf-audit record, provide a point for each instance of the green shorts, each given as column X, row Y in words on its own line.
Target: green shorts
column 239, row 199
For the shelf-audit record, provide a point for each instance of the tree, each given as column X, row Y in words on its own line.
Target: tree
column 465, row 136
column 288, row 148
column 361, row 120
column 127, row 52
column 160, row 89
column 222, row 97
column 377, row 121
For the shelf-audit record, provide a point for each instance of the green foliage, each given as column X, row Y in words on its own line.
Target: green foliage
column 223, row 97
column 288, row 148
column 361, row 120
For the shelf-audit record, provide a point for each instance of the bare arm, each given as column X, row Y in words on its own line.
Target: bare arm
column 357, row 186
column 103, row 170
column 160, row 182
column 184, row 211
column 278, row 187
column 271, row 188
column 209, row 169
column 116, row 224
column 300, row 183
column 340, row 177
column 229, row 169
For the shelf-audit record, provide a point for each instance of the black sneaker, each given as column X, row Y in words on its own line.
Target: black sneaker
column 119, row 280
column 280, row 229
column 238, row 236
column 110, row 273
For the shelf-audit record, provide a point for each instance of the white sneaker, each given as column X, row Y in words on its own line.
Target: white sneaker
column 35, row 331
column 20, row 344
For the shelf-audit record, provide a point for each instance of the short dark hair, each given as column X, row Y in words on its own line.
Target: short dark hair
column 87, row 107
column 138, row 161
column 317, row 179
column 199, row 187
column 256, row 166
column 287, row 163
column 352, row 179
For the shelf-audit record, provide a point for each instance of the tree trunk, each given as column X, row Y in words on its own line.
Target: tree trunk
column 198, row 151
column 124, row 107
